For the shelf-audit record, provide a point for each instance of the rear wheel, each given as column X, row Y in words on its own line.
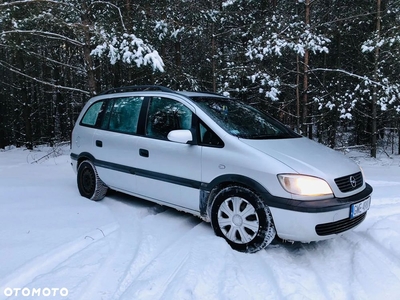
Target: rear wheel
column 239, row 215
column 89, row 183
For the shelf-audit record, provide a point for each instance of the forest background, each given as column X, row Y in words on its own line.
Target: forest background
column 328, row 69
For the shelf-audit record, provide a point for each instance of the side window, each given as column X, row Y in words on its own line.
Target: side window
column 91, row 114
column 123, row 114
column 208, row 137
column 166, row 115
column 107, row 109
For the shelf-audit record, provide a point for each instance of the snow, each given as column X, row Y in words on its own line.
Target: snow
column 127, row 248
column 130, row 50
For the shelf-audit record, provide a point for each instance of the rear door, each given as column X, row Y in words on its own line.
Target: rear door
column 115, row 142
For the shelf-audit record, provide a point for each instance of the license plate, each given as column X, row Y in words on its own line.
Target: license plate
column 359, row 208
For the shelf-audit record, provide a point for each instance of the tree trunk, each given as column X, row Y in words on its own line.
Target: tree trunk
column 91, row 79
column 26, row 106
column 26, row 112
column 2, row 124
column 398, row 140
column 298, row 94
column 375, row 87
column 213, row 53
column 305, row 77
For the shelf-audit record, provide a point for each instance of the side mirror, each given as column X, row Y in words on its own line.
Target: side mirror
column 182, row 136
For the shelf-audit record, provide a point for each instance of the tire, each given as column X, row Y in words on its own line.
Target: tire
column 242, row 219
column 89, row 183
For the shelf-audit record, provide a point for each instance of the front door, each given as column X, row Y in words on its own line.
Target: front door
column 168, row 172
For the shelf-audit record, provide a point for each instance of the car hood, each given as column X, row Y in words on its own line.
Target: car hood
column 305, row 156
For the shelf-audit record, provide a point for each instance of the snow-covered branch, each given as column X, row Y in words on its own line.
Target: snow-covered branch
column 269, row 86
column 47, row 34
column 131, row 50
column 14, row 3
column 296, row 37
column 379, row 42
column 162, row 27
column 19, row 72
column 364, row 78
column 107, row 3
column 31, row 53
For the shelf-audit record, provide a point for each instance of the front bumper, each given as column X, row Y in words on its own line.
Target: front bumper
column 307, row 221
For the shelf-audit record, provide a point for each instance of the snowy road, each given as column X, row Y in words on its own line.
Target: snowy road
column 127, row 248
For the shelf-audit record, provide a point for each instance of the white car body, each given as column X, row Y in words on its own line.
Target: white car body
column 184, row 175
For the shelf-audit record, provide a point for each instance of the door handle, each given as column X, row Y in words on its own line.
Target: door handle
column 99, row 143
column 144, row 152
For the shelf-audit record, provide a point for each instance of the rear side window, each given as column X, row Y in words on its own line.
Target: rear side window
column 91, row 114
column 123, row 114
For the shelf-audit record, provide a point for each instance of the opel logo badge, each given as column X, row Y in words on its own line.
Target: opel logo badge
column 353, row 181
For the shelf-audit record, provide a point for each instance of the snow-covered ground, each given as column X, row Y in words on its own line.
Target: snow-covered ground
column 53, row 242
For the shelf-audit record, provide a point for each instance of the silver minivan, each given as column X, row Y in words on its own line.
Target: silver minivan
column 217, row 158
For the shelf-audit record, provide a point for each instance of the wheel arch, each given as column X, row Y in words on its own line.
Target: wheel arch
column 208, row 191
column 84, row 156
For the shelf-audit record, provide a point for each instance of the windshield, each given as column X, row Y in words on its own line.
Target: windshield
column 242, row 120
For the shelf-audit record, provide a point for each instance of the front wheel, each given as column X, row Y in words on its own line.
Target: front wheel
column 239, row 215
column 89, row 183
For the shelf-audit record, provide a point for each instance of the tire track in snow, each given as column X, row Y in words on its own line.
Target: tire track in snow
column 330, row 275
column 382, row 183
column 78, row 270
column 386, row 201
column 384, row 259
column 184, row 270
column 387, row 252
column 128, row 212
column 47, row 262
column 383, row 207
column 295, row 270
column 317, row 254
column 256, row 276
column 144, row 233
column 371, row 261
column 321, row 270
column 157, row 236
column 193, row 272
column 144, row 286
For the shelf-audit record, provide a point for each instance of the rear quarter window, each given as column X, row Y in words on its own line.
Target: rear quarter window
column 92, row 114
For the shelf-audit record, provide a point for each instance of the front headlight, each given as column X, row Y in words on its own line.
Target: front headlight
column 304, row 185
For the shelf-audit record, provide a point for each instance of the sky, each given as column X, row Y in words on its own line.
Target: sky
column 54, row 244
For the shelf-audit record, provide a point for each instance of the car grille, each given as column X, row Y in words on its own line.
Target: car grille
column 350, row 182
column 339, row 226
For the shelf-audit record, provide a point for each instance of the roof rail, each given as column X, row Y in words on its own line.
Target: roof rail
column 136, row 88
column 210, row 93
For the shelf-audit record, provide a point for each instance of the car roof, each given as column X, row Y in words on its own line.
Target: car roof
column 158, row 88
